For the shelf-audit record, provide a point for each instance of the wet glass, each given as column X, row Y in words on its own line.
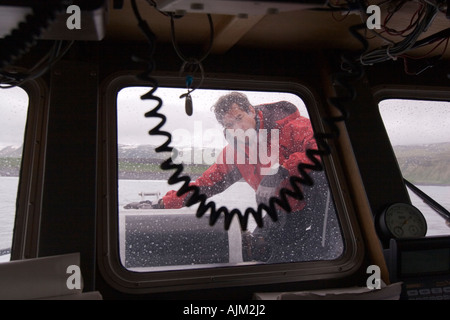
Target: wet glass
column 14, row 108
column 419, row 131
column 235, row 176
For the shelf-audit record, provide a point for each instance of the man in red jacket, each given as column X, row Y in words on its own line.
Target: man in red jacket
column 311, row 230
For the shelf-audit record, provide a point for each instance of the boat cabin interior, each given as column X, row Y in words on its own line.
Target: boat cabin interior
column 107, row 113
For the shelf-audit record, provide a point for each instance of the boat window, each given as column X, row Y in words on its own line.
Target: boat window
column 237, row 158
column 14, row 108
column 419, row 131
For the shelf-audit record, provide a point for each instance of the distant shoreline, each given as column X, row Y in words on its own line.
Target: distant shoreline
column 193, row 176
column 153, row 175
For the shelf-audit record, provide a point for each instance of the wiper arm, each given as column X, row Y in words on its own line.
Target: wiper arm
column 429, row 201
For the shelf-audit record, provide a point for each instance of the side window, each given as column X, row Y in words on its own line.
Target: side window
column 14, row 108
column 420, row 135
column 237, row 158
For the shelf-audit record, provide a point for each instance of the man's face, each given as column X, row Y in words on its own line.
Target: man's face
column 238, row 119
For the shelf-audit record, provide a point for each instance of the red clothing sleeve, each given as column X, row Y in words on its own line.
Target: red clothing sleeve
column 296, row 137
column 214, row 180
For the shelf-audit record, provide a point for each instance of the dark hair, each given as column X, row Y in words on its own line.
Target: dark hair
column 224, row 103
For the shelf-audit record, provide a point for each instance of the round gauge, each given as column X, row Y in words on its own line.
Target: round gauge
column 402, row 220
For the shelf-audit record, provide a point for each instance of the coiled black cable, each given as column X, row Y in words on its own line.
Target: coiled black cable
column 353, row 71
column 27, row 33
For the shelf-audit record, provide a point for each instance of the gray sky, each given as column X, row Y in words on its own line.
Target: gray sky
column 200, row 129
column 412, row 122
column 407, row 121
column 416, row 122
column 13, row 110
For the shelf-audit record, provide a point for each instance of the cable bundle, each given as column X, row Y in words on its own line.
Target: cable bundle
column 25, row 36
column 394, row 50
column 10, row 78
column 418, row 24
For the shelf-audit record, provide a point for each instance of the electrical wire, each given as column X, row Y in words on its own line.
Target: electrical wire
column 426, row 62
column 189, row 63
column 394, row 50
column 177, row 49
column 194, row 63
column 418, row 24
column 10, row 78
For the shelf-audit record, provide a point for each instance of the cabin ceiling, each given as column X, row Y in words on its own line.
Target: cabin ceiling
column 302, row 30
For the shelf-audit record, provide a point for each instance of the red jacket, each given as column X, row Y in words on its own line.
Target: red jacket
column 295, row 137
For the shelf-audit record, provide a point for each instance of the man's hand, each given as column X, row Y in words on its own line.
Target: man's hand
column 269, row 185
column 158, row 205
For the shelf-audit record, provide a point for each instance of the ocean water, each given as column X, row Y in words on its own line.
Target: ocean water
column 242, row 195
column 8, row 195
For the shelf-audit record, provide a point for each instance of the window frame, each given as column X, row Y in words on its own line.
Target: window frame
column 190, row 279
column 387, row 92
column 25, row 240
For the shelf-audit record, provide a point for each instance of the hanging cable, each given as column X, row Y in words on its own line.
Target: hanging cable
column 394, row 50
column 177, row 49
column 10, row 77
column 146, row 76
column 418, row 24
column 191, row 63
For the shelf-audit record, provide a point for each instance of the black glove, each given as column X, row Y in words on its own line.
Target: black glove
column 255, row 248
column 158, row 205
column 269, row 185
